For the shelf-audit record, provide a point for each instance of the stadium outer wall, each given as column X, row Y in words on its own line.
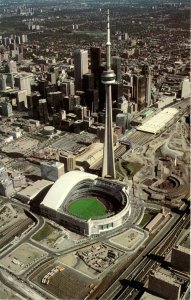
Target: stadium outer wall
column 92, row 226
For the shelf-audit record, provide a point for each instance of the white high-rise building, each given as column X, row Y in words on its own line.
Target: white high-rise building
column 23, row 82
column 6, row 185
column 80, row 67
column 24, row 38
column 121, row 121
column 12, row 66
column 185, row 88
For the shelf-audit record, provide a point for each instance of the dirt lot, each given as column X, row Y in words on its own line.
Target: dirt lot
column 67, row 284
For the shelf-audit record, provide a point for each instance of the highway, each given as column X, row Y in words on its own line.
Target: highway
column 136, row 262
column 129, row 284
column 161, row 251
column 19, row 287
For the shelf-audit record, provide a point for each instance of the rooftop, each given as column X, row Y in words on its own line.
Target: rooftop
column 63, row 186
column 92, row 153
column 157, row 122
column 167, row 276
column 32, row 190
column 147, row 296
column 185, row 239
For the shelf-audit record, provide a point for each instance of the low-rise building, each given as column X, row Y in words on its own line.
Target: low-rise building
column 180, row 258
column 16, row 133
column 31, row 191
column 51, row 170
column 164, row 286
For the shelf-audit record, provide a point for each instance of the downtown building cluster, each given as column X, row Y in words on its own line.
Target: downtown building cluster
column 69, row 95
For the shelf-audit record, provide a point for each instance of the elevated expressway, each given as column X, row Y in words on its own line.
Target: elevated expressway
column 129, row 284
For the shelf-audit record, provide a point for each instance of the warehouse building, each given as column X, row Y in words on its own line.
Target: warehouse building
column 159, row 121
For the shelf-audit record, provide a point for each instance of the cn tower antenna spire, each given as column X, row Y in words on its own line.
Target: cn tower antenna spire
column 108, row 78
column 108, row 44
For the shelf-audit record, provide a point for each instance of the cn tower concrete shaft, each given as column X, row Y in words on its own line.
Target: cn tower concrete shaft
column 108, row 77
column 108, row 169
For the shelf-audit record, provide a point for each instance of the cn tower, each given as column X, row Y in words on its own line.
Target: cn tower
column 107, row 78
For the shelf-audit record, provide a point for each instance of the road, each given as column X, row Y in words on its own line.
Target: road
column 137, row 273
column 22, row 289
column 24, row 238
column 163, row 239
column 157, row 238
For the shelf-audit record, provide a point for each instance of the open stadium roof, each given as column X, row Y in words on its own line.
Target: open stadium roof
column 63, row 186
column 157, row 122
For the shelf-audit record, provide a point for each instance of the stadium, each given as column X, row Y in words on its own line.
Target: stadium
column 87, row 204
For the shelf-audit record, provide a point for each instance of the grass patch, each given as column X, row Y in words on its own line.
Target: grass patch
column 118, row 170
column 86, row 208
column 43, row 232
column 146, row 219
column 131, row 167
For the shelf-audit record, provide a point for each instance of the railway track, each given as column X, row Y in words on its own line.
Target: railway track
column 13, row 230
column 118, row 152
column 121, row 288
column 141, row 138
column 164, row 249
column 7, row 230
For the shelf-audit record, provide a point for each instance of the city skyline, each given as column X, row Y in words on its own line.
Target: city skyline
column 95, row 150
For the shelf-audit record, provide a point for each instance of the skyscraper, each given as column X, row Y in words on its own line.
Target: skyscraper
column 3, row 79
column 92, row 99
column 108, row 77
column 12, row 66
column 80, row 67
column 116, row 65
column 121, row 121
column 148, row 81
column 88, row 82
column 139, row 90
column 101, row 89
column 43, row 111
column 142, row 87
column 95, row 55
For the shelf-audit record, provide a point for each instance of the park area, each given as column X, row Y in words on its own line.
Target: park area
column 146, row 219
column 46, row 231
column 55, row 238
column 87, row 208
column 131, row 167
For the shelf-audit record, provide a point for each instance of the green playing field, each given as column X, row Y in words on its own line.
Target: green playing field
column 86, row 208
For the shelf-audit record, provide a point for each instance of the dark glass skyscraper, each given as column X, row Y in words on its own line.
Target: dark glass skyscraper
column 95, row 56
column 116, row 66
